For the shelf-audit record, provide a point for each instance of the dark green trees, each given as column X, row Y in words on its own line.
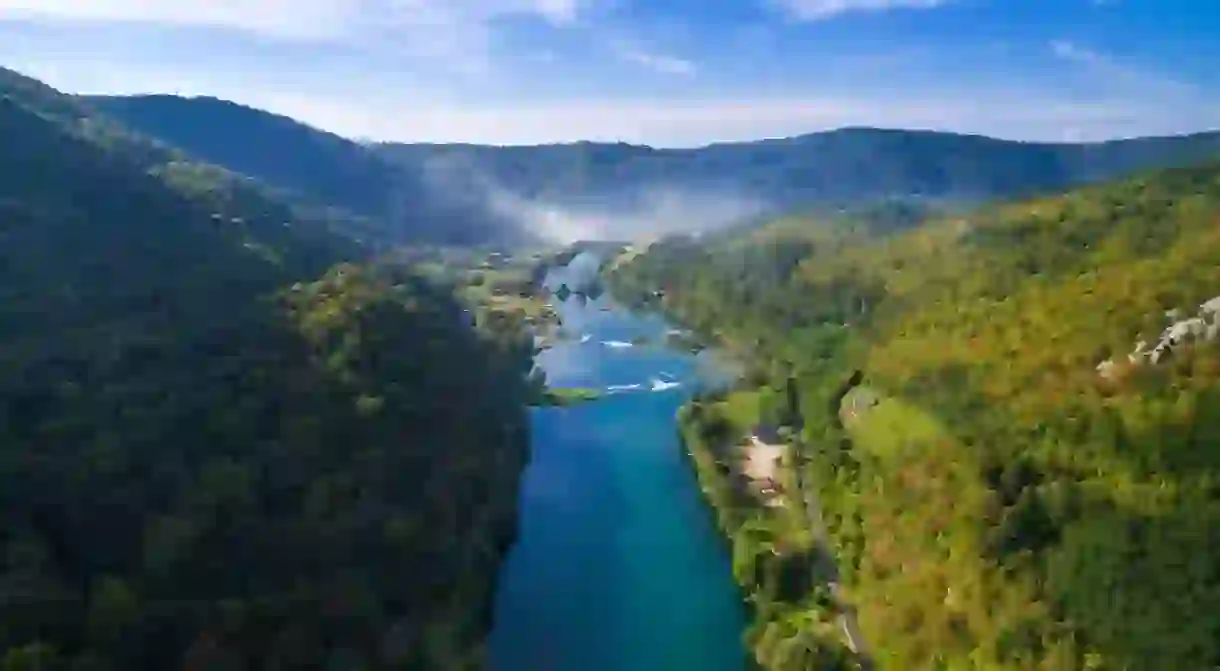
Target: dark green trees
column 214, row 453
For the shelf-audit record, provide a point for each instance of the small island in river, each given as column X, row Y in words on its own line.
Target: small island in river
column 565, row 396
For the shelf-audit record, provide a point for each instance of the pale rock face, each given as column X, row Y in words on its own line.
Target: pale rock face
column 1205, row 326
column 1179, row 331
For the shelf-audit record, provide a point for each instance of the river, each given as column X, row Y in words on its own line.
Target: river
column 619, row 566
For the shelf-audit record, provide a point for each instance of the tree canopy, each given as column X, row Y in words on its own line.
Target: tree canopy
column 227, row 441
column 993, row 501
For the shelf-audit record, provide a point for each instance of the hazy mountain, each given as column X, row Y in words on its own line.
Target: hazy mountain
column 475, row 193
column 848, row 165
column 314, row 166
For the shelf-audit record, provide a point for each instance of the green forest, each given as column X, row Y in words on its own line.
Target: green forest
column 227, row 440
column 239, row 432
column 992, row 499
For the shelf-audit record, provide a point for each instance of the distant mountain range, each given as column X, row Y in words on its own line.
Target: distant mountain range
column 461, row 193
column 851, row 165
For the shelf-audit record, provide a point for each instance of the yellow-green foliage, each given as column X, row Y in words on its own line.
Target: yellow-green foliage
column 566, row 396
column 1094, row 497
column 742, row 409
column 1004, row 506
column 774, row 556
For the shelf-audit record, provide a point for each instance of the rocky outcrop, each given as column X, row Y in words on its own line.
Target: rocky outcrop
column 1203, row 327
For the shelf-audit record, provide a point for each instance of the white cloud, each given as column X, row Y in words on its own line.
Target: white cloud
column 818, row 10
column 1118, row 79
column 411, row 113
column 298, row 19
column 393, row 98
column 309, row 19
column 662, row 63
column 450, row 34
column 1070, row 51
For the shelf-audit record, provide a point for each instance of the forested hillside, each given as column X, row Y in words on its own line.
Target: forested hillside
column 215, row 453
column 432, row 193
column 274, row 148
column 993, row 498
column 401, row 204
column 840, row 167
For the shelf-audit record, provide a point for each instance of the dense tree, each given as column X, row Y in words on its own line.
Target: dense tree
column 396, row 204
column 215, row 453
column 993, row 500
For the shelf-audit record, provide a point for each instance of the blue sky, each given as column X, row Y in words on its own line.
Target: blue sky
column 662, row 72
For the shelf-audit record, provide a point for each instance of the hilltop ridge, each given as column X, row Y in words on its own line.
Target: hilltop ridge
column 427, row 192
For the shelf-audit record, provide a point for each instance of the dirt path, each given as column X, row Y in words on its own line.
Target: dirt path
column 847, row 614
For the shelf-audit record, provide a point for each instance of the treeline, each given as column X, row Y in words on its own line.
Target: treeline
column 215, row 453
column 993, row 501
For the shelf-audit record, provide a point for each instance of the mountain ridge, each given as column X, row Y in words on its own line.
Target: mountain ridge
column 407, row 188
column 786, row 139
column 308, row 163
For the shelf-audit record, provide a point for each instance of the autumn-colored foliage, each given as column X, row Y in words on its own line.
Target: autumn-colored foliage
column 1004, row 506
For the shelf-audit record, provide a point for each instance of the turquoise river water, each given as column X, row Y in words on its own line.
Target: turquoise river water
column 619, row 566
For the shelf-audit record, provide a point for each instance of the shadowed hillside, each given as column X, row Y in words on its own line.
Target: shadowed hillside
column 317, row 167
column 218, row 449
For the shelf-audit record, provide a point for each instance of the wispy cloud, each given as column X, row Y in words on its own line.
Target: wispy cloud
column 1070, row 51
column 1118, row 78
column 296, row 19
column 1021, row 115
column 451, row 33
column 311, row 19
column 657, row 62
column 553, row 70
column 657, row 210
column 818, row 10
column 411, row 114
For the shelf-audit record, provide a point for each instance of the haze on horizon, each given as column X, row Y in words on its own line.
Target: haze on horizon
column 660, row 72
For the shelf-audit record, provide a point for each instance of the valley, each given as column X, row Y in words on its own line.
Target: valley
column 276, row 399
column 619, row 191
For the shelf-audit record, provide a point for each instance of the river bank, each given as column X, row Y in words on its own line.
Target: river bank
column 618, row 564
column 748, row 454
column 779, row 548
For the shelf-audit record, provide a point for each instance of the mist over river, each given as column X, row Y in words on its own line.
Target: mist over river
column 619, row 566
